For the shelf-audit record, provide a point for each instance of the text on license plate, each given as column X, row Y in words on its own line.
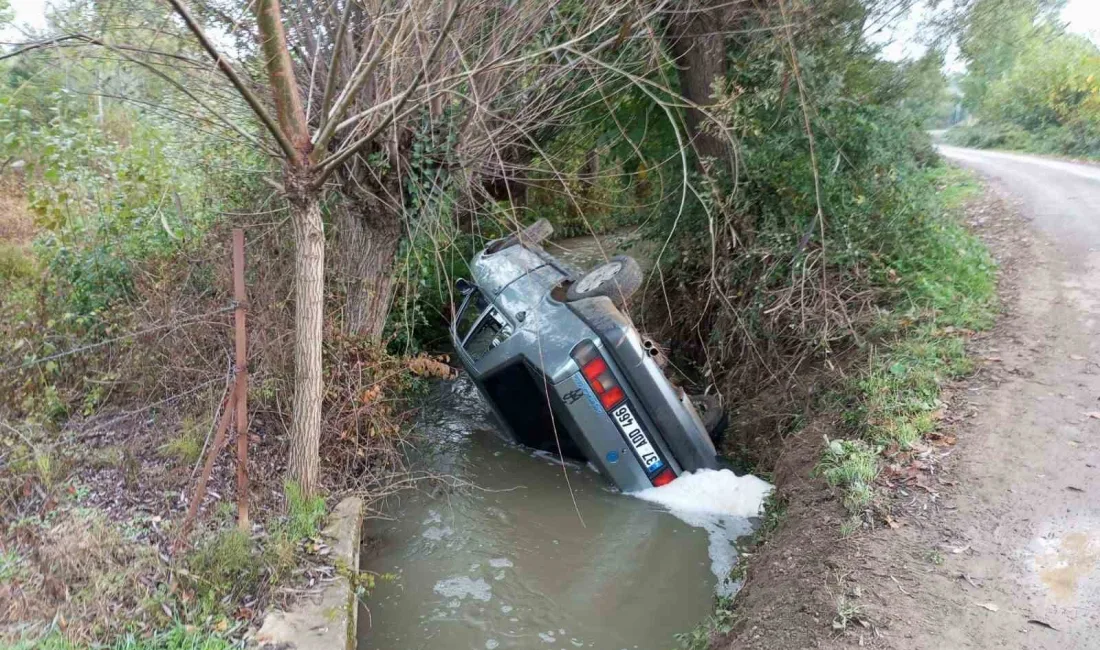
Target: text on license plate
column 637, row 438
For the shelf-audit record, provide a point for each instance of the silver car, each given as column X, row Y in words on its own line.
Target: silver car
column 565, row 371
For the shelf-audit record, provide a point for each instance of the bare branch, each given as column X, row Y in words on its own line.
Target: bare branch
column 359, row 77
column 334, row 64
column 337, row 159
column 238, row 83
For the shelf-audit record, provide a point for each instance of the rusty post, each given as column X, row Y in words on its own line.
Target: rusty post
column 211, row 455
column 242, row 378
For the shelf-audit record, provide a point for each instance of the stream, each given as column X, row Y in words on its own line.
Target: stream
column 527, row 560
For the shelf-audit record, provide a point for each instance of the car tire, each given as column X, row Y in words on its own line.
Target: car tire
column 714, row 417
column 532, row 235
column 618, row 279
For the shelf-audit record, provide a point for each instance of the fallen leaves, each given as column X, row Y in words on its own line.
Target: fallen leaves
column 942, row 439
column 428, row 366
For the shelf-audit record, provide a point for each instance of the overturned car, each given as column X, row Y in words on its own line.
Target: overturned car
column 565, row 371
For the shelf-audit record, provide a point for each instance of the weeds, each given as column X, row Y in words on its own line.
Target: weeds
column 720, row 622
column 15, row 263
column 847, row 611
column 11, row 566
column 223, row 564
column 853, row 466
column 303, row 514
column 179, row 637
column 945, row 291
column 186, row 448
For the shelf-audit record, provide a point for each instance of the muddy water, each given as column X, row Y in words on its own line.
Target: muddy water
column 527, row 559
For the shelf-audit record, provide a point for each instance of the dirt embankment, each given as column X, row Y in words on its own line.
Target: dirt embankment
column 984, row 536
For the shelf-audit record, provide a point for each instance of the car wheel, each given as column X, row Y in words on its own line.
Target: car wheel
column 529, row 236
column 714, row 417
column 616, row 279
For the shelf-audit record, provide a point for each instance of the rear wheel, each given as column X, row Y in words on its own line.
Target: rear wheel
column 714, row 417
column 618, row 279
column 530, row 236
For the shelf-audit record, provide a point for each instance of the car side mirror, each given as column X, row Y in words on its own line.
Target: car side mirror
column 464, row 286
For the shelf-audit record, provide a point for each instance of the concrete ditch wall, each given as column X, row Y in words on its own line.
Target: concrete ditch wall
column 326, row 621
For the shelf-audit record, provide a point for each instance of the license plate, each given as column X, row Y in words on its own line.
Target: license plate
column 637, row 438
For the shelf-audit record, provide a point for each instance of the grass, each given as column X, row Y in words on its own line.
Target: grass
column 186, row 448
column 118, row 589
column 946, row 291
column 229, row 561
column 224, row 563
column 176, row 638
column 304, row 514
column 15, row 262
column 853, row 465
column 11, row 566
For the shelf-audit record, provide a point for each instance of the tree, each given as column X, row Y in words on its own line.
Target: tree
column 990, row 37
column 696, row 34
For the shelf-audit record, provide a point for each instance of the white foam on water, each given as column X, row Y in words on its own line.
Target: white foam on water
column 463, row 587
column 491, row 644
column 719, row 502
column 437, row 533
column 500, row 562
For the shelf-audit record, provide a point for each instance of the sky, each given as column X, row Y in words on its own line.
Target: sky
column 900, row 39
column 1084, row 16
column 30, row 13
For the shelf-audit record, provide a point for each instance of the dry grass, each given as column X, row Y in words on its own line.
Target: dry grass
column 77, row 570
column 16, row 222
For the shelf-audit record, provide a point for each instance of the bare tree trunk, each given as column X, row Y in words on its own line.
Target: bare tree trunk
column 695, row 36
column 369, row 237
column 309, row 295
column 309, row 252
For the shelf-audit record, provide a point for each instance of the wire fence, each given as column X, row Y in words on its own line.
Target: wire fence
column 130, row 335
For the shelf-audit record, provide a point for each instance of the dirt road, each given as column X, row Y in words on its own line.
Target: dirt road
column 1009, row 557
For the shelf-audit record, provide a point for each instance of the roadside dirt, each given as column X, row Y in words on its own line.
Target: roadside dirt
column 998, row 544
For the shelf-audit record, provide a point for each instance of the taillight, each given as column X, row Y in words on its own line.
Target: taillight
column 598, row 375
column 664, row 477
column 600, row 378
